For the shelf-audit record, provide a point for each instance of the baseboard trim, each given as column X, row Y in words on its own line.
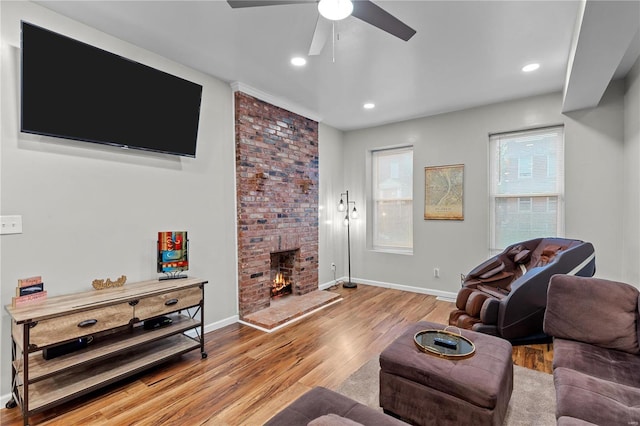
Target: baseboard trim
column 215, row 325
column 328, row 285
column 440, row 295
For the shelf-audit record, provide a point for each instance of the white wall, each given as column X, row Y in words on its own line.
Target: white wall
column 631, row 219
column 91, row 211
column 594, row 151
column 332, row 242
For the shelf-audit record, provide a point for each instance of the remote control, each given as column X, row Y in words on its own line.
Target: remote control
column 441, row 341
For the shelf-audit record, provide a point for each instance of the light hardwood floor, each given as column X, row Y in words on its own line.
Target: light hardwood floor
column 250, row 375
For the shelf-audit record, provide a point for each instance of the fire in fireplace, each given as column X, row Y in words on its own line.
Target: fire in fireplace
column 280, row 286
column 282, row 269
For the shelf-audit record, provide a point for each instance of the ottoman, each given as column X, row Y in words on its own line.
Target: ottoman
column 424, row 389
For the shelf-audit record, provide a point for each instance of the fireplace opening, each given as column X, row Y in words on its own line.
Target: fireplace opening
column 282, row 272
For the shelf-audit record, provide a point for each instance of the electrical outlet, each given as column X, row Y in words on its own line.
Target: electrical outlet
column 10, row 225
column 333, row 266
column 436, row 272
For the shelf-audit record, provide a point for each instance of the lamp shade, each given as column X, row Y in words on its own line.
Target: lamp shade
column 335, row 10
column 341, row 206
column 354, row 213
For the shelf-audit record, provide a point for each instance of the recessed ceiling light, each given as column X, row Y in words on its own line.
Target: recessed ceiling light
column 369, row 105
column 530, row 67
column 298, row 61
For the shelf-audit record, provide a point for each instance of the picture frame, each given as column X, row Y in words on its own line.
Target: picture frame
column 444, row 192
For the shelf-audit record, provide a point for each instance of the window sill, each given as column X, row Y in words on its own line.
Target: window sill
column 391, row 251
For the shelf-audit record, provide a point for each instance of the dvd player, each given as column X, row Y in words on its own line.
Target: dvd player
column 154, row 323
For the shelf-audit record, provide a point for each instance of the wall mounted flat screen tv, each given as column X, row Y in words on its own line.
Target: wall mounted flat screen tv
column 76, row 91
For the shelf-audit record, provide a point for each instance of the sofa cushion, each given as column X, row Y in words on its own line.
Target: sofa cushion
column 638, row 320
column 320, row 401
column 607, row 364
column 572, row 421
column 594, row 400
column 606, row 315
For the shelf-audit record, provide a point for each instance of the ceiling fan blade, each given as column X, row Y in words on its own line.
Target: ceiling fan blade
column 320, row 36
column 257, row 3
column 378, row 17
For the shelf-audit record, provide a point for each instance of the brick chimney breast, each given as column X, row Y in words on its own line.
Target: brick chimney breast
column 277, row 197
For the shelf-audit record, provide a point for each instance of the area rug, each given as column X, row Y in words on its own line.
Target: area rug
column 533, row 401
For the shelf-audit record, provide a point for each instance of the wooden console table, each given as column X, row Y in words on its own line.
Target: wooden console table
column 120, row 346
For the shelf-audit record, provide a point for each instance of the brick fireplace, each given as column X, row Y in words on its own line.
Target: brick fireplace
column 277, row 194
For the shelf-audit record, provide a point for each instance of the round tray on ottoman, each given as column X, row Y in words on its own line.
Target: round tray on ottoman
column 427, row 390
column 444, row 343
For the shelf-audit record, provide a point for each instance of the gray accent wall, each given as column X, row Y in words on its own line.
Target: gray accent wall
column 594, row 185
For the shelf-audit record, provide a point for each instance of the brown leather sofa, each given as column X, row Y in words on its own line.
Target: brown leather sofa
column 323, row 407
column 506, row 295
column 596, row 355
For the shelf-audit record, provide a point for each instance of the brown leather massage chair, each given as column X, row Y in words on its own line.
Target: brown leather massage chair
column 506, row 296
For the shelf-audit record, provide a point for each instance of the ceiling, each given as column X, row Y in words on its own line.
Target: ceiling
column 465, row 53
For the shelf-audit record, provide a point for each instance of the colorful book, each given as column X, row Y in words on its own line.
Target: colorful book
column 24, row 282
column 31, row 298
column 30, row 289
column 173, row 253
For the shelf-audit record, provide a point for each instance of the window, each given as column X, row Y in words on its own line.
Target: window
column 392, row 199
column 525, row 204
column 525, row 167
column 526, row 185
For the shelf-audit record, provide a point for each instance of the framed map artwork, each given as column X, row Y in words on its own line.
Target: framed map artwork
column 443, row 187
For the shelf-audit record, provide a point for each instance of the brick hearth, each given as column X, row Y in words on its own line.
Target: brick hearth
column 277, row 193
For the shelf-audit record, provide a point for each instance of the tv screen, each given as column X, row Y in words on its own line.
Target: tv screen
column 76, row 91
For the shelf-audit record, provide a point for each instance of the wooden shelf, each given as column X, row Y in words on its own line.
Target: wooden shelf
column 40, row 368
column 57, row 306
column 79, row 381
column 120, row 347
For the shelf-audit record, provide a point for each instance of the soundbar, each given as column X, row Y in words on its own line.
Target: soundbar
column 66, row 348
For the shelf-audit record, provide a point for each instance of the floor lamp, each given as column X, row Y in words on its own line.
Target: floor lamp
column 342, row 206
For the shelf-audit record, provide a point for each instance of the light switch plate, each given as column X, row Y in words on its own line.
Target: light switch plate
column 10, row 225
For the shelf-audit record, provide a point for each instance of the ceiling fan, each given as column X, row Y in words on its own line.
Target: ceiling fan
column 335, row 10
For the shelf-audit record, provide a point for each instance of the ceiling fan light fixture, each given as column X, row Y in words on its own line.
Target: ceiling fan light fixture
column 335, row 10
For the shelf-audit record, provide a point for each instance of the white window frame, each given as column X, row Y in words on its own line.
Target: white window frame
column 372, row 231
column 494, row 176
